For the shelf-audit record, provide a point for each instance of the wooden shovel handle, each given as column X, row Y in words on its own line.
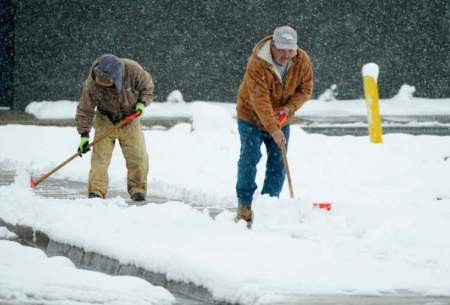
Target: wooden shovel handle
column 129, row 118
column 288, row 172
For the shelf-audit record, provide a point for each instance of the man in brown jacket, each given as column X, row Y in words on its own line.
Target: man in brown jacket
column 277, row 82
column 114, row 88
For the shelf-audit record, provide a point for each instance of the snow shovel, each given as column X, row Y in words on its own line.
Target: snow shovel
column 326, row 205
column 281, row 118
column 288, row 172
column 125, row 121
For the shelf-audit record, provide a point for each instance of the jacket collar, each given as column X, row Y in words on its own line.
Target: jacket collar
column 262, row 51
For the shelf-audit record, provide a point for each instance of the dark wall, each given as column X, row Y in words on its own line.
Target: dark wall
column 6, row 53
column 201, row 47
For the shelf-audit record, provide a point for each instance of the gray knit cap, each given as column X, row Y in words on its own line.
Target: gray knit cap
column 109, row 67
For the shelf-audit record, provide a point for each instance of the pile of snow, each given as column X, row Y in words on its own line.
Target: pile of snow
column 206, row 116
column 405, row 93
column 52, row 110
column 6, row 234
column 329, row 95
column 175, row 97
column 30, row 277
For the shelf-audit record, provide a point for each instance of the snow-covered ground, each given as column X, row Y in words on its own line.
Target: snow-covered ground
column 385, row 233
column 6, row 234
column 28, row 276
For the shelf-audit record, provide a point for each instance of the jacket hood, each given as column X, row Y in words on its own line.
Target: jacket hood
column 262, row 51
column 109, row 67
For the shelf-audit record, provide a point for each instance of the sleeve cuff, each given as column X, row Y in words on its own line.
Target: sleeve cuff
column 292, row 109
column 272, row 127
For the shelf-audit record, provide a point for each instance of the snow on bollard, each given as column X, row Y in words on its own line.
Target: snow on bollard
column 370, row 76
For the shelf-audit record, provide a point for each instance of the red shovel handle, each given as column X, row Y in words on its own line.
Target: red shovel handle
column 131, row 117
column 281, row 117
column 32, row 183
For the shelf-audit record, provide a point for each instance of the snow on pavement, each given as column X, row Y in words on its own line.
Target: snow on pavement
column 30, row 277
column 6, row 234
column 292, row 249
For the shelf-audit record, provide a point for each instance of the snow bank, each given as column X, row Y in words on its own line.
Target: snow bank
column 405, row 93
column 209, row 117
column 325, row 106
column 52, row 110
column 30, row 277
column 329, row 94
column 6, row 234
column 175, row 97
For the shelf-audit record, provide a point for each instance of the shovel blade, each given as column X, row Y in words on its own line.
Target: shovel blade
column 323, row 205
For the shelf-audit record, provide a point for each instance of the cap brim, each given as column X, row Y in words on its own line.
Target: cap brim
column 286, row 46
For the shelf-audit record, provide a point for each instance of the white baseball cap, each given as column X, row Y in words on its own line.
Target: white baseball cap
column 285, row 37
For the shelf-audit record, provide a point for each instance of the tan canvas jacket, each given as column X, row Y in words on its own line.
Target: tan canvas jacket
column 262, row 91
column 137, row 85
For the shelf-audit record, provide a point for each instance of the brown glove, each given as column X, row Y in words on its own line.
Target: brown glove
column 279, row 138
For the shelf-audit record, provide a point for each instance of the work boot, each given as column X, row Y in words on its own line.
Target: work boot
column 244, row 212
column 94, row 195
column 138, row 197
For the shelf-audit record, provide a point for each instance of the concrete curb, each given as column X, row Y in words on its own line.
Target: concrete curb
column 98, row 262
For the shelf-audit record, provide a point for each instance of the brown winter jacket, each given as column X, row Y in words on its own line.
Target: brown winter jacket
column 262, row 91
column 137, row 86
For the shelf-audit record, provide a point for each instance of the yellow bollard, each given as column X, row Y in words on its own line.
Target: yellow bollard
column 370, row 75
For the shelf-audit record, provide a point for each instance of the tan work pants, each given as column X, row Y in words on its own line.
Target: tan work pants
column 131, row 140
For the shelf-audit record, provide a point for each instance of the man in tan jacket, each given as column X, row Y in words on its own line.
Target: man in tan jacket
column 277, row 82
column 114, row 88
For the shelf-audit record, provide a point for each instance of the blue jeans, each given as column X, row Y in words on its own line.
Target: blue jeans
column 251, row 139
